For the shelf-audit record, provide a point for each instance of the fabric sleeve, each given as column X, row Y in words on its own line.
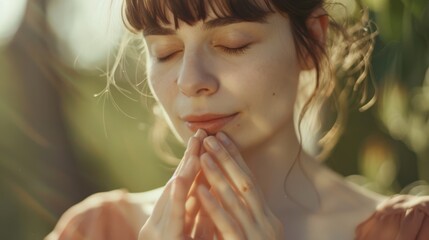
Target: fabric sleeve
column 102, row 216
column 401, row 217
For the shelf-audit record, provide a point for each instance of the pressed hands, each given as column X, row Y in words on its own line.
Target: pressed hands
column 212, row 195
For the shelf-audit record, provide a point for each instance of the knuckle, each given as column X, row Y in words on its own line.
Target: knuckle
column 177, row 181
column 223, row 188
column 224, row 155
column 218, row 178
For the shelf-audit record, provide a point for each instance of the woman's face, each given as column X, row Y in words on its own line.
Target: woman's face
column 225, row 75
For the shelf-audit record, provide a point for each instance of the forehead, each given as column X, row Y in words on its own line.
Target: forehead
column 161, row 13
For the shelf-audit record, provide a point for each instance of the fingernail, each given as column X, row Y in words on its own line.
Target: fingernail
column 200, row 134
column 213, row 144
column 223, row 138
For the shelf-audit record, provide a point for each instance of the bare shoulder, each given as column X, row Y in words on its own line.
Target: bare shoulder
column 354, row 202
column 117, row 214
column 343, row 203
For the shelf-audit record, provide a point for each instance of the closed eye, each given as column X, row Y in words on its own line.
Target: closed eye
column 167, row 57
column 235, row 50
column 228, row 50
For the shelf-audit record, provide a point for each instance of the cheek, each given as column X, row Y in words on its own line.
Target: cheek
column 161, row 84
column 165, row 91
column 271, row 89
column 272, row 80
column 164, row 94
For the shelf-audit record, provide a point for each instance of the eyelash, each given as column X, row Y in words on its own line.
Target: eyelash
column 232, row 51
column 166, row 58
column 235, row 51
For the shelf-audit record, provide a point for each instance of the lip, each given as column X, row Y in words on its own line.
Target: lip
column 211, row 123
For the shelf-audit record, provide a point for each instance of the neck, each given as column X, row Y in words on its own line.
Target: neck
column 283, row 172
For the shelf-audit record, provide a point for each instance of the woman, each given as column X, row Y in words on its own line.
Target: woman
column 229, row 77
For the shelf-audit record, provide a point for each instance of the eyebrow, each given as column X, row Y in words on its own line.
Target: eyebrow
column 213, row 23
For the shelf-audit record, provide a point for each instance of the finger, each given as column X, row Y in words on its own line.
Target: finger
column 228, row 197
column 199, row 135
column 218, row 235
column 221, row 219
column 177, row 202
column 160, row 204
column 193, row 148
column 193, row 205
column 200, row 179
column 186, row 154
column 170, row 207
column 192, row 174
column 203, row 227
column 191, row 165
column 234, row 151
column 182, row 179
column 201, row 223
column 242, row 181
column 174, row 214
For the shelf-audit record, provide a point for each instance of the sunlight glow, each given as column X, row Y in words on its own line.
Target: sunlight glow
column 86, row 30
column 11, row 14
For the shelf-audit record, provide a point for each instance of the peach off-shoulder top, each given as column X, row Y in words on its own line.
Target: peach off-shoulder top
column 401, row 217
column 114, row 215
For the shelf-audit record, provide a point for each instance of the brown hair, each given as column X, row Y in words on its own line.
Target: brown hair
column 341, row 64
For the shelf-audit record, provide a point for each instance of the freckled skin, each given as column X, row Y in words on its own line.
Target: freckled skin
column 202, row 78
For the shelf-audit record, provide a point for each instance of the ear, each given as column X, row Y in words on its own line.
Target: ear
column 317, row 24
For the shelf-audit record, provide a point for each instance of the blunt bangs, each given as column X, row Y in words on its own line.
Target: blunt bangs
column 141, row 14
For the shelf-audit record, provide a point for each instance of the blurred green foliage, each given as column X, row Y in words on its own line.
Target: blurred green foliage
column 59, row 143
column 391, row 140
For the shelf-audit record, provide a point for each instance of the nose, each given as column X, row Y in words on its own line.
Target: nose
column 196, row 78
